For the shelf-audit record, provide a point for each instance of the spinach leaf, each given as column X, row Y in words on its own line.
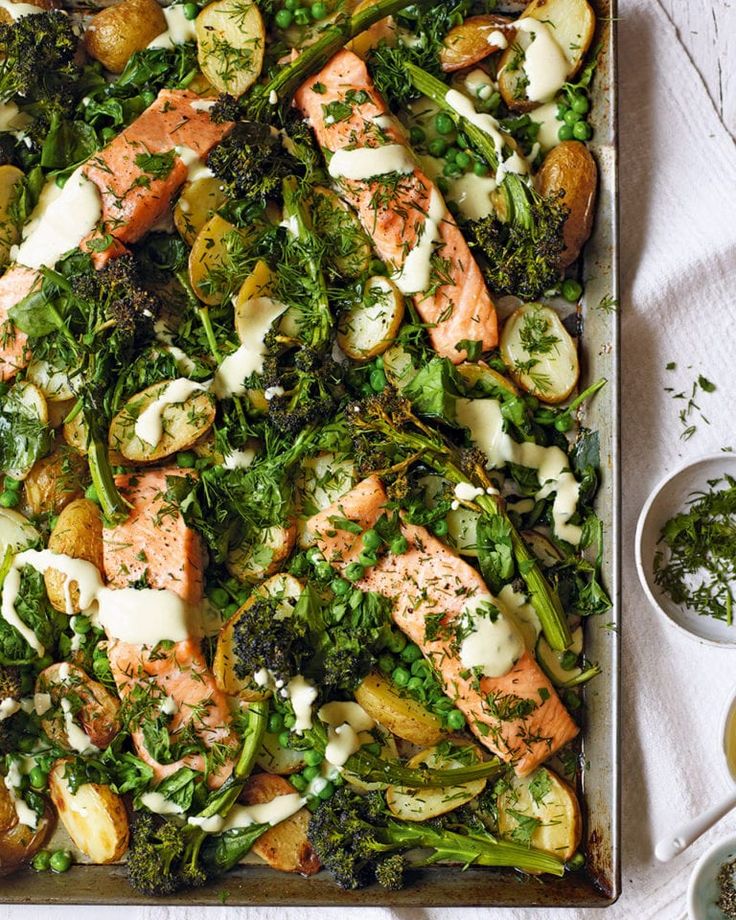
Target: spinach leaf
column 434, row 390
column 34, row 610
column 495, row 551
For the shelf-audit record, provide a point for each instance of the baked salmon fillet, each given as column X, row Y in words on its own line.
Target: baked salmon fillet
column 402, row 211
column 517, row 716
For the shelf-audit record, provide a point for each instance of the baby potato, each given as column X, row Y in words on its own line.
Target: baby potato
column 368, row 328
column 402, row 715
column 253, row 562
column 20, row 843
column 8, row 814
column 78, row 533
column 54, row 481
column 197, row 203
column 570, row 171
column 94, row 817
column 16, row 532
column 474, row 40
column 231, row 39
column 209, row 252
column 420, row 805
column 25, row 403
column 75, row 433
column 116, row 33
column 97, row 710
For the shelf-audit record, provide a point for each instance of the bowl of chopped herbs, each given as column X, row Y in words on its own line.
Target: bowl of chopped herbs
column 686, row 548
column 711, row 893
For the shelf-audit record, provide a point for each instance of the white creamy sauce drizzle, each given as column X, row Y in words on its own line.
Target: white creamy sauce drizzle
column 203, row 105
column 471, row 193
column 159, row 804
column 365, row 162
column 493, row 643
column 169, row 706
column 516, row 606
column 41, row 703
column 76, row 736
column 196, row 167
column 184, row 363
column 273, row 97
column 26, row 816
column 549, row 125
column 414, row 275
column 60, row 222
column 8, row 708
column 302, row 694
column 248, row 359
column 479, row 84
column 344, row 723
column 149, row 426
column 273, row 812
column 498, row 39
column 484, row 420
column 239, row 459
column 179, row 29
column 467, row 492
column 18, row 10
column 545, row 64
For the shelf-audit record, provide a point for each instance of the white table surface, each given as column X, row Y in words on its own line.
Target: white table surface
column 707, row 30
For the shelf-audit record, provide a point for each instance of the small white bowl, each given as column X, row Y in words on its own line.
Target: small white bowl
column 703, row 891
column 668, row 498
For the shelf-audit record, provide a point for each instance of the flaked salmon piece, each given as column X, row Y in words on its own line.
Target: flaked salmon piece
column 178, row 683
column 154, row 546
column 137, row 190
column 15, row 284
column 398, row 209
column 518, row 716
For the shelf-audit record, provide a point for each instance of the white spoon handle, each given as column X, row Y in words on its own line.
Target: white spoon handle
column 680, row 840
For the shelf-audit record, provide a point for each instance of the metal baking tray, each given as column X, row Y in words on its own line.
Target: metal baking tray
column 599, row 884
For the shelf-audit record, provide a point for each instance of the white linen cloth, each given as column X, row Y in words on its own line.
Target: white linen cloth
column 678, row 274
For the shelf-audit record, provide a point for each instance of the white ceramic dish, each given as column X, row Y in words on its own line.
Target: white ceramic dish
column 702, row 892
column 668, row 498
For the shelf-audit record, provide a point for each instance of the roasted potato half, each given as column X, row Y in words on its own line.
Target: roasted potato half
column 94, row 817
column 570, row 171
column 549, row 800
column 26, row 405
column 206, row 259
column 570, row 27
column 182, row 423
column 281, row 586
column 8, row 814
column 77, row 533
column 116, row 33
column 474, row 40
column 92, row 706
column 16, row 532
column 54, row 481
column 275, row 759
column 403, row 716
column 412, row 805
column 198, row 201
column 368, row 328
column 253, row 562
column 285, row 846
column 231, row 39
column 324, row 479
column 539, row 352
column 20, row 843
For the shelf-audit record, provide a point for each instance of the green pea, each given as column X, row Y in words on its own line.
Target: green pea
column 452, row 171
column 107, row 134
column 463, row 159
column 326, row 792
column 396, row 642
column 91, row 493
column 323, row 570
column 310, row 772
column 191, row 11
column 313, row 758
column 275, row 723
column 231, row 609
column 372, row 539
column 367, row 559
column 289, row 720
column 443, row 123
column 386, row 664
column 462, row 142
column 444, row 704
column 41, row 861
column 340, row 586
column 11, row 485
column 38, row 778
column 81, row 625
column 319, row 11
column 378, row 380
column 562, row 108
column 411, row 653
column 571, row 290
column 60, row 861
column 400, row 676
column 572, row 117
column 565, row 133
column 284, row 18
column 417, row 136
column 219, row 597
column 298, row 782
column 301, row 17
column 9, row 499
column 415, row 685
column 420, row 668
column 292, row 4
column 451, row 154
column 480, row 168
column 582, row 131
column 577, row 862
column 354, row 572
column 455, row 720
column 399, row 545
column 373, row 748
column 440, row 527
column 315, row 555
column 580, row 104
column 284, row 739
column 563, row 423
column 186, row 459
column 437, row 147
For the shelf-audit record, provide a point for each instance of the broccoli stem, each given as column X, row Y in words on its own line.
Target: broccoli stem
column 582, row 678
column 285, row 83
column 587, row 393
column 374, row 770
column 114, row 507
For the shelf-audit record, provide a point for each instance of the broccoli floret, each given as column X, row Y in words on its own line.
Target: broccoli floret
column 38, row 57
column 312, row 390
column 262, row 639
column 119, row 289
column 164, row 857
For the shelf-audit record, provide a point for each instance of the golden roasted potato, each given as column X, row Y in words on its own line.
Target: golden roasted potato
column 93, row 706
column 94, row 817
column 347, row 248
column 414, row 805
column 182, row 423
column 549, row 372
column 231, row 40
column 276, row 759
column 570, row 169
column 10, row 179
column 78, row 533
column 284, row 847
column 54, row 481
column 116, row 33
column 75, row 433
column 253, row 562
column 208, row 255
column 198, row 201
column 571, row 24
column 16, row 532
column 545, row 797
column 26, row 405
column 474, row 40
column 479, row 375
column 20, row 843
column 368, row 328
column 283, row 586
column 8, row 814
column 58, row 411
column 403, row 716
